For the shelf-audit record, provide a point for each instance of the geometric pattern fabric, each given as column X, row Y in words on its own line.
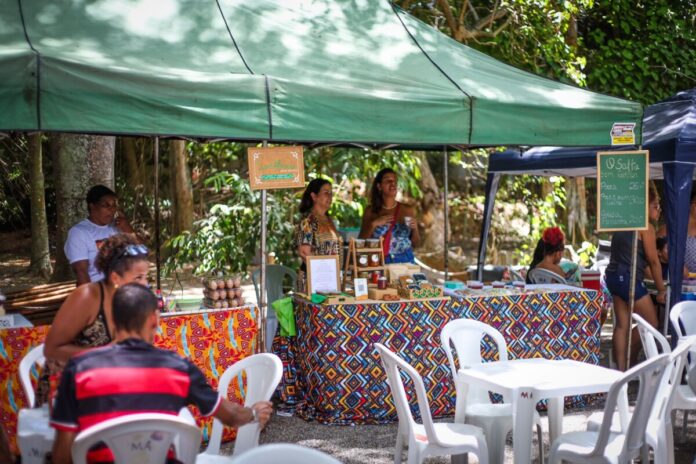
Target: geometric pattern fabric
column 332, row 372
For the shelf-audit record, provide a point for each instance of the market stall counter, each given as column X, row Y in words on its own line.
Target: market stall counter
column 212, row 339
column 332, row 372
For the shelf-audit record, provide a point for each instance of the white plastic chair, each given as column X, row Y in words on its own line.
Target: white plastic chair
column 33, row 357
column 476, row 409
column 263, row 372
column 544, row 276
column 428, row 439
column 34, row 435
column 142, row 438
column 605, row 446
column 658, row 433
column 683, row 318
column 284, row 453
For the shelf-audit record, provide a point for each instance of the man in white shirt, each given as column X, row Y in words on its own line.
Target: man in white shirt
column 85, row 237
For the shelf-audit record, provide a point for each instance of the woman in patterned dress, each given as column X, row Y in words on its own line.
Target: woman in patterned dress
column 84, row 320
column 386, row 217
column 316, row 233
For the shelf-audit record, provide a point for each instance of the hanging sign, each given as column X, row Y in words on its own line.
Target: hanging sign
column 622, row 190
column 276, row 167
column 623, row 133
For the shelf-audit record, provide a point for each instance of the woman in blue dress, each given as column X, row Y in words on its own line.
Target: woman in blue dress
column 395, row 222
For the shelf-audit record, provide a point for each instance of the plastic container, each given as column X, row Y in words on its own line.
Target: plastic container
column 590, row 279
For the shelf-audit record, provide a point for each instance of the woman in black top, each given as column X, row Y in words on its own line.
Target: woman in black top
column 618, row 281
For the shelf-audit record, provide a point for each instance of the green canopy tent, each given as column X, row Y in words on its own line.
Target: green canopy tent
column 299, row 71
column 280, row 71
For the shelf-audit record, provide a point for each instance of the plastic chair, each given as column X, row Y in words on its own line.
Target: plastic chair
column 605, row 446
column 143, row 438
column 544, row 276
column 275, row 275
column 284, row 453
column 658, row 433
column 495, row 419
column 683, row 318
column 34, row 435
column 428, row 439
column 263, row 372
column 34, row 356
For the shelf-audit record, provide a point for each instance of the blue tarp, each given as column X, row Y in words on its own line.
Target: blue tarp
column 669, row 133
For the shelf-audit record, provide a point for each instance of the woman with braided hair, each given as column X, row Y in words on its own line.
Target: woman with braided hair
column 84, row 319
column 548, row 254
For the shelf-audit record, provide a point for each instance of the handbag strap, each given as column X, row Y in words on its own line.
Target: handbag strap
column 388, row 235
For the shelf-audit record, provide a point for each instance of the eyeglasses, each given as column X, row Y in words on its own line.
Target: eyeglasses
column 133, row 250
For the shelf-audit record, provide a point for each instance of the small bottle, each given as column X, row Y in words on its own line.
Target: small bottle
column 160, row 300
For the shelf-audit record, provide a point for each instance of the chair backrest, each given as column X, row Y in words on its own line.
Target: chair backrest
column 275, row 275
column 142, row 438
column 394, row 366
column 683, row 318
column 654, row 342
column 544, row 276
column 650, row 375
column 285, row 453
column 466, row 336
column 668, row 387
column 34, row 356
column 263, row 372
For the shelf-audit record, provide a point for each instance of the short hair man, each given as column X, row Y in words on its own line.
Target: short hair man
column 132, row 376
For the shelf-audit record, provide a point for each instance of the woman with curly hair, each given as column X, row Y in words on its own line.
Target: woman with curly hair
column 84, row 320
column 548, row 254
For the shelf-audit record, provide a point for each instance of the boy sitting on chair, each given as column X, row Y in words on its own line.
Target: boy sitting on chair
column 131, row 376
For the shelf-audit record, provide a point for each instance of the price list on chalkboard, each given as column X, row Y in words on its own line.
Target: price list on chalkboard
column 622, row 190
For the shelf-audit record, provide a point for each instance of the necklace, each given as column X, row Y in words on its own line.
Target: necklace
column 390, row 207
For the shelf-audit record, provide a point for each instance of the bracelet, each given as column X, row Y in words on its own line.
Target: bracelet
column 254, row 416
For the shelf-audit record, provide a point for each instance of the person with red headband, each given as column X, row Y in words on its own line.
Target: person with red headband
column 548, row 254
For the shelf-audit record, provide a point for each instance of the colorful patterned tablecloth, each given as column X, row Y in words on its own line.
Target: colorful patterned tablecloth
column 332, row 372
column 212, row 340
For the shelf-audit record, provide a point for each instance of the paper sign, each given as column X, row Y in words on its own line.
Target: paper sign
column 360, row 289
column 623, row 133
column 322, row 274
column 276, row 167
column 622, row 190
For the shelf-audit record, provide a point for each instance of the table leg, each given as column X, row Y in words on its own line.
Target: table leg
column 523, row 403
column 462, row 389
column 555, row 406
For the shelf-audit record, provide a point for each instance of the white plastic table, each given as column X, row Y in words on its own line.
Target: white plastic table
column 524, row 382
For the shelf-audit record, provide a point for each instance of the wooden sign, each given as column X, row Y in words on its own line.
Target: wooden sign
column 322, row 274
column 622, row 190
column 276, row 167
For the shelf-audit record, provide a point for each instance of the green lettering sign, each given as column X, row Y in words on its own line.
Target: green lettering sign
column 622, row 190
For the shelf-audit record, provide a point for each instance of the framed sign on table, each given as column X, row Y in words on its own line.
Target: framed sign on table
column 323, row 274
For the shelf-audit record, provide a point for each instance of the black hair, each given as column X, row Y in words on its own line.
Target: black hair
column 314, row 187
column 132, row 305
column 660, row 243
column 98, row 192
column 542, row 250
column 376, row 201
column 112, row 256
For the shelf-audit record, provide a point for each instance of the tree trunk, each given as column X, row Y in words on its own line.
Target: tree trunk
column 182, row 192
column 72, row 179
column 100, row 159
column 133, row 162
column 577, row 209
column 432, row 213
column 40, row 256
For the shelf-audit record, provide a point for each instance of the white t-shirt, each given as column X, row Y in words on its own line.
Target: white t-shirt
column 83, row 243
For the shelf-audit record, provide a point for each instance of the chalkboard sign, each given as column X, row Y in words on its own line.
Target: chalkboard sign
column 622, row 190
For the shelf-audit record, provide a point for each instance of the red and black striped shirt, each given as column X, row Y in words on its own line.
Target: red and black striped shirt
column 126, row 378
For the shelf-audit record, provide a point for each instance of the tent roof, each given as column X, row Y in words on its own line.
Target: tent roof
column 669, row 132
column 338, row 71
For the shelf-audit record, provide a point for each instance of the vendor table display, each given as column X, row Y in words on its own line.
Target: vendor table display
column 212, row 340
column 332, row 372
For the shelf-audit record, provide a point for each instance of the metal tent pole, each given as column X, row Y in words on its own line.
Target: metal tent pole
column 157, row 213
column 445, row 162
column 263, row 310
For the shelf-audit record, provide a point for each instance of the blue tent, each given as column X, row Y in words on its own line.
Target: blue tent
column 669, row 133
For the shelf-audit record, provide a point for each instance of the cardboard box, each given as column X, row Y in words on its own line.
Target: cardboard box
column 377, row 294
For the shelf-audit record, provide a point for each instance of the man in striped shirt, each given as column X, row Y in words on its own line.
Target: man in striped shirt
column 131, row 376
